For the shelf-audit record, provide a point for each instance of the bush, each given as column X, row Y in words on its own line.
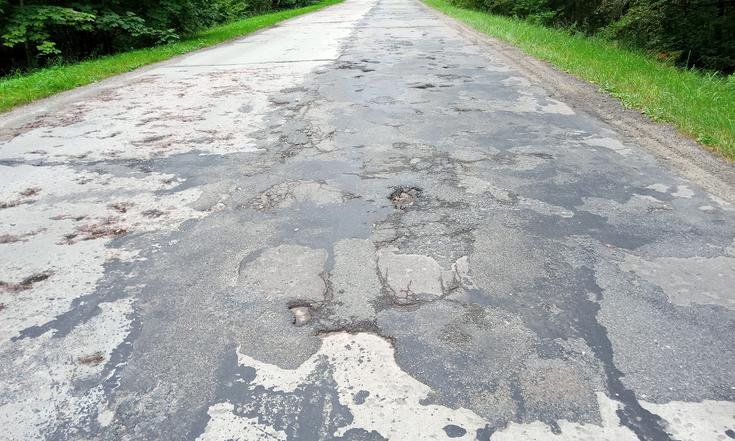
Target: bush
column 40, row 32
column 690, row 33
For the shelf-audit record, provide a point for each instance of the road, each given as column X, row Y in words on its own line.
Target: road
column 362, row 224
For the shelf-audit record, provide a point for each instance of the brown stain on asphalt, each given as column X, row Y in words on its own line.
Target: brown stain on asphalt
column 92, row 359
column 26, row 283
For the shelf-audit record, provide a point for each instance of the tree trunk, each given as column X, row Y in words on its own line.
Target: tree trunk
column 26, row 47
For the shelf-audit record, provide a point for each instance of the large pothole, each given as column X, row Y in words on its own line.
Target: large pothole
column 404, row 197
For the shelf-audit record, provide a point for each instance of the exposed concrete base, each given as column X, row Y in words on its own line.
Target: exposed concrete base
column 366, row 223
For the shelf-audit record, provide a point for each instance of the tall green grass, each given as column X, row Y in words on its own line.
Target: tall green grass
column 700, row 105
column 24, row 88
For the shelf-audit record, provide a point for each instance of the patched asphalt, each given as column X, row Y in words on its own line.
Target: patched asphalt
column 361, row 224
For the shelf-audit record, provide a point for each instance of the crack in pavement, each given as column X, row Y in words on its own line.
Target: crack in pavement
column 363, row 224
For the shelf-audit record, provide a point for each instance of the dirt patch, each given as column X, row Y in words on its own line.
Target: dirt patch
column 68, row 217
column 105, row 228
column 28, row 192
column 26, row 283
column 351, row 65
column 106, row 96
column 121, row 207
column 153, row 213
column 14, row 203
column 31, row 191
column 422, row 86
column 92, row 359
column 12, row 238
column 404, row 197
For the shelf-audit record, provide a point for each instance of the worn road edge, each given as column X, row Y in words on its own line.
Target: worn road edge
column 673, row 149
column 28, row 111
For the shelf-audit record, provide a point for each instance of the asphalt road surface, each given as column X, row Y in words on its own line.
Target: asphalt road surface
column 362, row 224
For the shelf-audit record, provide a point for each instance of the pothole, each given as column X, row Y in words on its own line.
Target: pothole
column 404, row 197
column 301, row 314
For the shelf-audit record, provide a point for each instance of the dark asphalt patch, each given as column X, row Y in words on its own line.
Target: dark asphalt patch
column 454, row 431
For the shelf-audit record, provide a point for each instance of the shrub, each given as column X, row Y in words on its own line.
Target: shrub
column 690, row 33
column 40, row 32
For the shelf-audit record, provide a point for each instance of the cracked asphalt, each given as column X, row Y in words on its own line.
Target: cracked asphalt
column 362, row 224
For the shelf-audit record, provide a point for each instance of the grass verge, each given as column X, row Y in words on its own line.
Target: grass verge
column 24, row 88
column 701, row 106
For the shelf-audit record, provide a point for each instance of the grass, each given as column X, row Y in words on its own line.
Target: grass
column 700, row 105
column 20, row 89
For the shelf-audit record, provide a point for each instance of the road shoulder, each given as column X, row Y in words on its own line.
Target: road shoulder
column 663, row 141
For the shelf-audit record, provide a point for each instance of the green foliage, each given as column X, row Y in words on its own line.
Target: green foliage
column 18, row 89
column 40, row 32
column 35, row 24
column 699, row 33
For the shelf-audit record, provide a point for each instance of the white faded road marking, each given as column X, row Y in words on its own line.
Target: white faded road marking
column 393, row 402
